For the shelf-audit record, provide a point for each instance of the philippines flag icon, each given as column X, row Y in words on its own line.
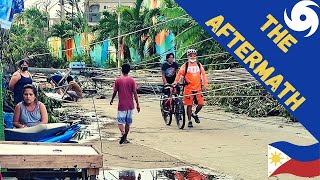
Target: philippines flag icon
column 287, row 158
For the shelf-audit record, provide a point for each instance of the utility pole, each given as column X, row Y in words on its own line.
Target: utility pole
column 46, row 5
column 2, row 37
column 86, row 6
column 62, row 13
column 119, row 41
column 72, row 18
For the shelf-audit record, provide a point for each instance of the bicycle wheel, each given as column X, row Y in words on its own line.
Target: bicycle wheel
column 165, row 111
column 179, row 113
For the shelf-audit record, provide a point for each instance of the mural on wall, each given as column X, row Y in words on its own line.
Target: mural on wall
column 80, row 43
column 69, row 44
column 55, row 47
column 165, row 44
column 99, row 54
column 165, row 39
column 75, row 47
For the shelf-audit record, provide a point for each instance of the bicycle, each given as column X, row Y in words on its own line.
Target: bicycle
column 172, row 104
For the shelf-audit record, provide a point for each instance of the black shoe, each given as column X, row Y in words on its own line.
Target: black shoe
column 190, row 124
column 123, row 138
column 196, row 118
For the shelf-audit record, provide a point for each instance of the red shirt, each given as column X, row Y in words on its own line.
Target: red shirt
column 125, row 86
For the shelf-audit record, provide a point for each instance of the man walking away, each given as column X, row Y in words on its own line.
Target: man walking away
column 126, row 87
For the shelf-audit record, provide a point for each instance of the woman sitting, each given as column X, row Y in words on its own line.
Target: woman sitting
column 30, row 111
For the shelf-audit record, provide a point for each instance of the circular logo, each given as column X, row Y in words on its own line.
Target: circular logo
column 303, row 17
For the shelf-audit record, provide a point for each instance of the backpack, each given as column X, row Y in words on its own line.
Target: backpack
column 186, row 70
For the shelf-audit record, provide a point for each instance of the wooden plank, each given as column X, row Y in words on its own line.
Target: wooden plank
column 26, row 155
column 55, row 96
column 44, row 161
column 16, row 149
column 91, row 172
column 45, row 144
column 96, row 149
column 44, row 70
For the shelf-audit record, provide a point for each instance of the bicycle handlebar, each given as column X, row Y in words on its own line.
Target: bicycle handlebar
column 173, row 86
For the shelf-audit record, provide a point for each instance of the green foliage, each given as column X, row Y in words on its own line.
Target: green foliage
column 107, row 27
column 28, row 36
column 85, row 58
column 50, row 104
column 261, row 104
column 111, row 64
column 62, row 30
column 132, row 19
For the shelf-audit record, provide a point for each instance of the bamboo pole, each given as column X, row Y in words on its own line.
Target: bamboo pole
column 3, row 35
column 1, row 105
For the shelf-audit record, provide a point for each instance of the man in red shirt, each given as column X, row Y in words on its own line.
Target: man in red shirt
column 126, row 87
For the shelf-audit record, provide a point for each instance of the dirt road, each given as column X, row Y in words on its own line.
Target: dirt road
column 232, row 144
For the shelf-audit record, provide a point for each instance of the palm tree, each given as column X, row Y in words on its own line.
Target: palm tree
column 107, row 27
column 132, row 19
column 35, row 18
column 187, row 31
column 62, row 30
column 29, row 27
column 76, row 4
column 137, row 18
column 28, row 36
column 76, row 16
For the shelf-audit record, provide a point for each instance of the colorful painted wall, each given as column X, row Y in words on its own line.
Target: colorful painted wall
column 165, row 39
column 100, row 53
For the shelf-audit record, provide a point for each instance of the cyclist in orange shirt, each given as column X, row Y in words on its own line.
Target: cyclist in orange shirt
column 194, row 75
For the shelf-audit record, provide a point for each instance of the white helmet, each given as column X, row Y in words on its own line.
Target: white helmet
column 191, row 51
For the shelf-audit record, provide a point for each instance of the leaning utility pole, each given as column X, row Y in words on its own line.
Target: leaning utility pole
column 72, row 18
column 46, row 6
column 119, row 33
column 86, row 7
column 1, row 101
column 62, row 13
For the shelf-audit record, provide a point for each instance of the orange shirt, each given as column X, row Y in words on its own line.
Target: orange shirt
column 193, row 77
column 191, row 175
column 195, row 175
